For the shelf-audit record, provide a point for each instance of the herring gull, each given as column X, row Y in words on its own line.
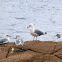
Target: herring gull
column 19, row 41
column 5, row 40
column 35, row 32
column 58, row 36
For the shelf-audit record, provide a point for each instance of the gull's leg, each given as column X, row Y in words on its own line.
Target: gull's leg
column 22, row 48
column 33, row 38
column 36, row 37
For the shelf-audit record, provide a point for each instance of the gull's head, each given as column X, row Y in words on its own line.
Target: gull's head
column 7, row 35
column 45, row 32
column 17, row 36
column 57, row 35
column 30, row 26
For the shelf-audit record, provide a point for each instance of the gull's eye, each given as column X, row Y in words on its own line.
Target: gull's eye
column 7, row 35
column 29, row 25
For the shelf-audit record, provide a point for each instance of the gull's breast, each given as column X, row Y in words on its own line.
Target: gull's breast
column 33, row 34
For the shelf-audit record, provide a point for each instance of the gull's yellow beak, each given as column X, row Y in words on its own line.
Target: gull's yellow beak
column 9, row 36
column 55, row 35
column 27, row 27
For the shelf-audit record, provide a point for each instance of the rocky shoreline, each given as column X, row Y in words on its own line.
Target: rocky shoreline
column 34, row 51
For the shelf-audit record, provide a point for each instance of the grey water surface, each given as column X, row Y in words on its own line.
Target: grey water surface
column 16, row 15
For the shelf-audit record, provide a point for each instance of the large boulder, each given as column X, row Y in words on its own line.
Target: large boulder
column 34, row 51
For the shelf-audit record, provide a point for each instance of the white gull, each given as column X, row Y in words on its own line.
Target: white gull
column 5, row 39
column 19, row 41
column 35, row 32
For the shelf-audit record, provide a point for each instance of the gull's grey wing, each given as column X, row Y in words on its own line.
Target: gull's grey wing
column 22, row 42
column 3, row 41
column 17, row 42
column 38, row 32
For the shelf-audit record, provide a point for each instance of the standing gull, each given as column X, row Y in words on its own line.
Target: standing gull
column 19, row 41
column 34, row 32
column 5, row 40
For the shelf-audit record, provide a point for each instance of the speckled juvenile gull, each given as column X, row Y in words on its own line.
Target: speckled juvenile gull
column 34, row 32
column 5, row 40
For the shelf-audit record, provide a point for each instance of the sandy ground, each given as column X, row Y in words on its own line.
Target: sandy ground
column 35, row 51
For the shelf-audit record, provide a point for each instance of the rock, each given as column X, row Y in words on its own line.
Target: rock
column 40, row 47
column 34, row 51
column 53, row 58
column 58, row 46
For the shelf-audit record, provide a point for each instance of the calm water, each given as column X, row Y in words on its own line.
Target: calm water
column 16, row 15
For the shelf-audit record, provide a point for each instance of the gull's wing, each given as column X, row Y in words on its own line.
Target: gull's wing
column 17, row 42
column 22, row 42
column 38, row 32
column 4, row 40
